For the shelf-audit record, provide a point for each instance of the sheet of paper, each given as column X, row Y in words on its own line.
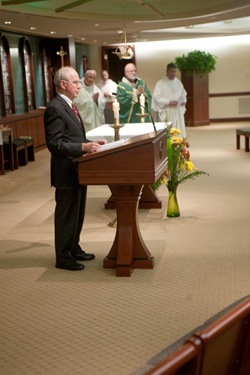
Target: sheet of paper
column 111, row 145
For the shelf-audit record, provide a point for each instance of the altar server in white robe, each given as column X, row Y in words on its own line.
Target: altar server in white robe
column 108, row 86
column 169, row 99
column 90, row 102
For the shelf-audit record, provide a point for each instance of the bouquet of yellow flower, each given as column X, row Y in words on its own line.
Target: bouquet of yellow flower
column 180, row 168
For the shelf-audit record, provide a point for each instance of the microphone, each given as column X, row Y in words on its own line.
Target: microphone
column 150, row 114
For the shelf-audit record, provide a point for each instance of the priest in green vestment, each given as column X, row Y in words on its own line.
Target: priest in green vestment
column 132, row 94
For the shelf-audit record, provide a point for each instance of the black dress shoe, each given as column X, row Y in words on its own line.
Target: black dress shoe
column 84, row 256
column 71, row 266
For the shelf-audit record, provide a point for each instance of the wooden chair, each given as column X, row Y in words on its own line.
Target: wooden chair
column 19, row 152
column 23, row 150
column 30, row 147
column 6, row 154
column 246, row 133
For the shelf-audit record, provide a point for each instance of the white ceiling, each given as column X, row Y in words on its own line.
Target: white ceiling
column 102, row 21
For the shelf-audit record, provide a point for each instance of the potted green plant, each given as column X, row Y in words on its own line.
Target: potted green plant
column 196, row 62
column 195, row 67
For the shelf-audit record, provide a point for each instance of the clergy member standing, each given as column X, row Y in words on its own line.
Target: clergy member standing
column 90, row 102
column 108, row 86
column 129, row 90
column 169, row 99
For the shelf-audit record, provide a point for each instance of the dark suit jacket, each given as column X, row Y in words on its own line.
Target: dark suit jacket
column 64, row 136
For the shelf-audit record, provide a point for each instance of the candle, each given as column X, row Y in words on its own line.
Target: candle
column 142, row 100
column 116, row 108
column 142, row 103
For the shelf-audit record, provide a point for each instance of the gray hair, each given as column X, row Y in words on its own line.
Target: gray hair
column 63, row 73
column 90, row 71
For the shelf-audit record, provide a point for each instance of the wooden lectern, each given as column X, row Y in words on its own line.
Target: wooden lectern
column 148, row 200
column 125, row 169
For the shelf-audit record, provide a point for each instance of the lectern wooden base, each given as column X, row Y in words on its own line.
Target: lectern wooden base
column 148, row 200
column 129, row 250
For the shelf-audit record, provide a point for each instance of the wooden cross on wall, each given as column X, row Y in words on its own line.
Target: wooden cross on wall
column 62, row 53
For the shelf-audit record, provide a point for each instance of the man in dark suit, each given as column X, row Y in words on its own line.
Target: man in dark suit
column 66, row 140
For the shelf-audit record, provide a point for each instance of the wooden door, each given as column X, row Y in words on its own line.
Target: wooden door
column 113, row 64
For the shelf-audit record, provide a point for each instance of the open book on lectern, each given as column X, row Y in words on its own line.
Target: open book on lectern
column 109, row 146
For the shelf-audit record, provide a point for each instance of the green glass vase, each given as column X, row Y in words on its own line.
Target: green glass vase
column 173, row 207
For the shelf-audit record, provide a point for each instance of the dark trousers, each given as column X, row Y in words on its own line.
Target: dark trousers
column 69, row 217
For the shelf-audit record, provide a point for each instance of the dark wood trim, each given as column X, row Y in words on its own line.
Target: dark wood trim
column 27, row 124
column 235, row 119
column 224, row 94
column 24, row 43
column 6, row 48
column 40, row 148
column 44, row 49
column 15, row 117
column 113, row 64
column 85, row 63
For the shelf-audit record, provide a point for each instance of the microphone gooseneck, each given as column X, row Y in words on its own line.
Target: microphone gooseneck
column 150, row 114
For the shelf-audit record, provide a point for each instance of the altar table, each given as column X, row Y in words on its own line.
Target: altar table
column 127, row 131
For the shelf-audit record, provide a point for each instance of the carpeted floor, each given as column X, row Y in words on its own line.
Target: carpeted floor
column 57, row 322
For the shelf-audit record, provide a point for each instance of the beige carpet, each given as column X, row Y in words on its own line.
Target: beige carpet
column 57, row 322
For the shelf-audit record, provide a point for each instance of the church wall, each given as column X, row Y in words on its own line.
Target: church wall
column 232, row 74
column 30, row 122
column 96, row 60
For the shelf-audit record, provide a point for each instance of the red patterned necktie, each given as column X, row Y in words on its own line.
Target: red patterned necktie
column 75, row 110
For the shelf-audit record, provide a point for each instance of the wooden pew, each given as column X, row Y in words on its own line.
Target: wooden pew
column 184, row 361
column 220, row 347
column 226, row 343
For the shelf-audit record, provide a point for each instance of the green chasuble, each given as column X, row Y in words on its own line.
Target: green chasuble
column 130, row 102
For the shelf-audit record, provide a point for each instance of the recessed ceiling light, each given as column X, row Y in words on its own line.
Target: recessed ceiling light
column 53, row 32
column 83, row 38
column 94, row 41
column 7, row 22
column 32, row 28
column 70, row 35
column 119, row 31
column 97, row 24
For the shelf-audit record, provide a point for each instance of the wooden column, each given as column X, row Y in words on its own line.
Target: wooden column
column 197, row 99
